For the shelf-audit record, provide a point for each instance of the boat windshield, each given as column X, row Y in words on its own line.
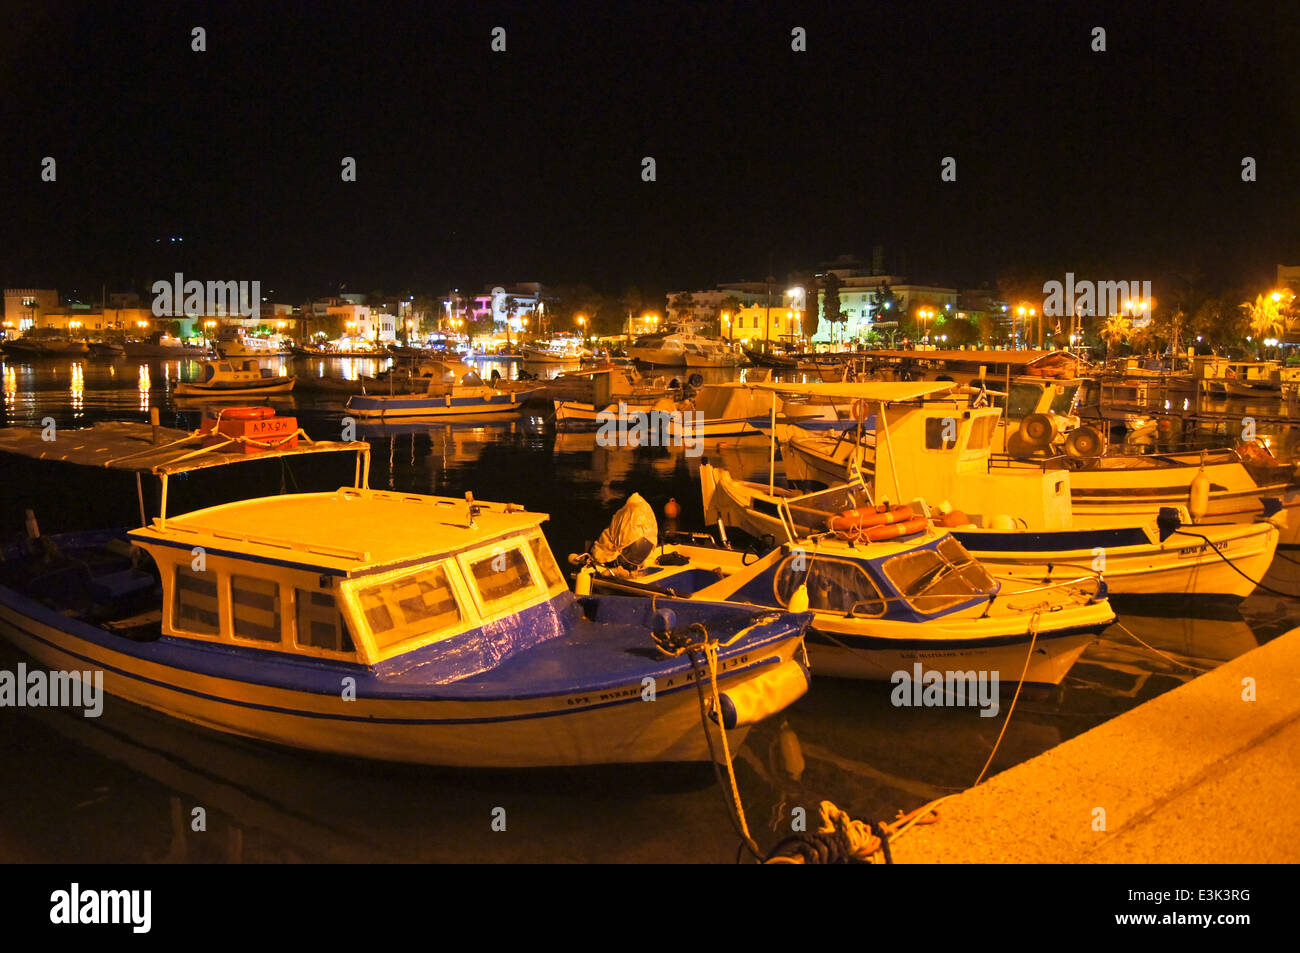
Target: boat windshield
column 932, row 580
column 834, row 585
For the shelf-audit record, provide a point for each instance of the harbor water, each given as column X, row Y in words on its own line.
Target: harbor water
column 126, row 786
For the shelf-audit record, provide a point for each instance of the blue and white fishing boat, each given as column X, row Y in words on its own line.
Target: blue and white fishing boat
column 382, row 625
column 453, row 389
column 887, row 591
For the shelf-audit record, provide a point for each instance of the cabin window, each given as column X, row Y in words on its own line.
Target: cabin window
column 834, row 585
column 933, row 580
column 320, row 625
column 940, row 433
column 412, row 605
column 546, row 562
column 501, row 575
column 196, row 601
column 982, row 430
column 255, row 608
column 1024, row 400
column 1065, row 399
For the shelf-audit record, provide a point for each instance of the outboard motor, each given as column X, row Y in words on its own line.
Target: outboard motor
column 1169, row 519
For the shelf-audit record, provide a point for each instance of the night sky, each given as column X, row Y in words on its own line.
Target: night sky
column 474, row 166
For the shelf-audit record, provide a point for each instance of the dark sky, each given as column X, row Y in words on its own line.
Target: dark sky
column 478, row 167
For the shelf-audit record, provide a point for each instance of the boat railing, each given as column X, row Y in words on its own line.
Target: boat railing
column 1094, row 578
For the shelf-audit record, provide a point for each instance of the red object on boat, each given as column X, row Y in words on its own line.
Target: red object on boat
column 854, row 521
column 256, row 428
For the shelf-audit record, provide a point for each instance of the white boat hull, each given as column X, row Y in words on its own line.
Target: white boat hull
column 613, row 727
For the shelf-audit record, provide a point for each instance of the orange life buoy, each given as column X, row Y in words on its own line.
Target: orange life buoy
column 854, row 521
column 896, row 530
column 247, row 413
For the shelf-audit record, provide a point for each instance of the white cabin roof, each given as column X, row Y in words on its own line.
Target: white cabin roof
column 346, row 532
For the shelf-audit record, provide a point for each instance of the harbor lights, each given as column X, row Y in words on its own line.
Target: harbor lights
column 925, row 315
column 726, row 323
column 581, row 319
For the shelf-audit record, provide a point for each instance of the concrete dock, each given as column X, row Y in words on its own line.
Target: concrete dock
column 1197, row 775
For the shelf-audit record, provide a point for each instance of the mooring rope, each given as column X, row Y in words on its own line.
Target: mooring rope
column 675, row 643
column 1232, row 565
column 1033, row 638
column 1123, row 628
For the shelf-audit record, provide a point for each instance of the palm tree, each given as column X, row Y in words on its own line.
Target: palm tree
column 1115, row 329
column 683, row 305
column 1266, row 319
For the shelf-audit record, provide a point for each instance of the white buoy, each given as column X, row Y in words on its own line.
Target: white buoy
column 1198, row 498
column 799, row 600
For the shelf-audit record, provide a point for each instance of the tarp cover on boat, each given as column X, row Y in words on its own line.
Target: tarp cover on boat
column 630, row 537
column 129, row 445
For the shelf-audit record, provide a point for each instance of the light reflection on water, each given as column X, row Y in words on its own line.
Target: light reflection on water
column 121, row 788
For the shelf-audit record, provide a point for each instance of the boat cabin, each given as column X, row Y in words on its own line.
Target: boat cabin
column 416, row 572
column 236, row 370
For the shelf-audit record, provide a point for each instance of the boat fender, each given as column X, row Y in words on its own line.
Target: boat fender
column 582, row 585
column 954, row 518
column 247, row 413
column 799, row 599
column 1004, row 523
column 664, row 620
column 1198, row 496
column 765, row 695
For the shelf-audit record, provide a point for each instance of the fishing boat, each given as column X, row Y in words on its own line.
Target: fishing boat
column 1170, row 555
column 235, row 378
column 164, row 346
column 250, row 346
column 381, row 625
column 453, row 389
column 1106, row 488
column 670, row 348
column 883, row 597
column 771, row 359
column 710, row 352
column 615, row 393
column 559, row 350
